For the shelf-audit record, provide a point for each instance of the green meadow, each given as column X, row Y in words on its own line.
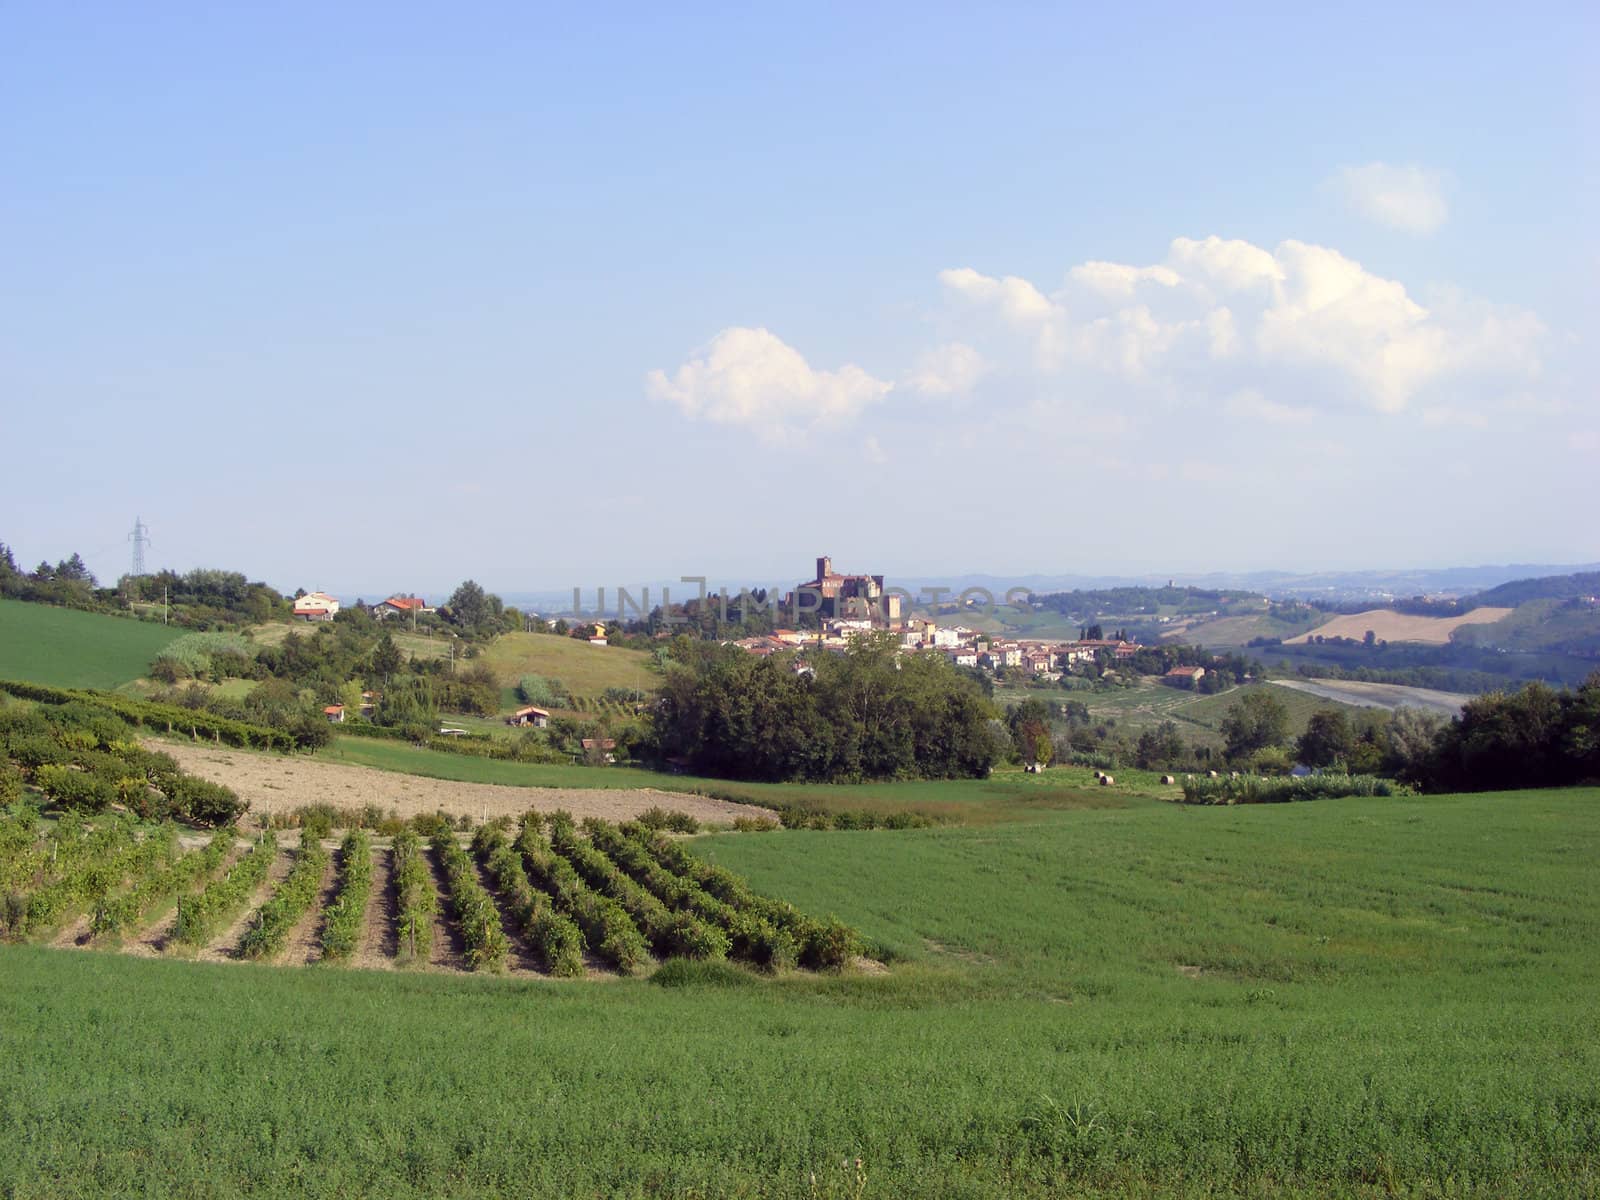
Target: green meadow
column 1355, row 997
column 66, row 648
column 1009, row 794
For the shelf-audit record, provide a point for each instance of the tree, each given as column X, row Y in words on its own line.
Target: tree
column 469, row 605
column 1094, row 634
column 1327, row 739
column 386, row 658
column 1253, row 723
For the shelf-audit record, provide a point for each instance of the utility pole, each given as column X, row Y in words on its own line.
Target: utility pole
column 163, row 604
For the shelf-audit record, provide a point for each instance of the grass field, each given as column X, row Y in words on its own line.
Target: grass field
column 1361, row 997
column 1198, row 718
column 1007, row 795
column 586, row 670
column 66, row 648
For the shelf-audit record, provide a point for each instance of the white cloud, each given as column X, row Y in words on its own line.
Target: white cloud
column 1017, row 299
column 1585, row 441
column 1410, row 199
column 1220, row 315
column 751, row 377
column 1252, row 405
column 951, row 369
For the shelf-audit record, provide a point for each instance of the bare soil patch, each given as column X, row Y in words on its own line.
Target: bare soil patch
column 381, row 944
column 304, row 944
column 281, row 783
column 1390, row 626
column 226, row 947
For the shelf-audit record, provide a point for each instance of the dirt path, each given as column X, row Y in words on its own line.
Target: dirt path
column 448, row 952
column 281, row 783
column 225, row 948
column 75, row 934
column 522, row 960
column 304, row 943
column 381, row 938
column 153, row 939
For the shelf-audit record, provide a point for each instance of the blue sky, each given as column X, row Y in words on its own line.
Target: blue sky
column 389, row 296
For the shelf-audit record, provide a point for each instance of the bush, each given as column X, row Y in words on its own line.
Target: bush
column 341, row 931
column 1256, row 789
column 74, row 789
column 829, row 945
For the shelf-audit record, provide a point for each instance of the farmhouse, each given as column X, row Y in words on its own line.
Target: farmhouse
column 334, row 713
column 399, row 605
column 315, row 606
column 600, row 746
column 531, row 715
column 1184, row 676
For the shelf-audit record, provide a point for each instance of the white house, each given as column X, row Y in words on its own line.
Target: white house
column 316, row 606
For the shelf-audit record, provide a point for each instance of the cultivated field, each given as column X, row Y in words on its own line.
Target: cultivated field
column 1388, row 696
column 1390, row 626
column 66, row 648
column 278, row 783
column 1347, row 998
column 585, row 670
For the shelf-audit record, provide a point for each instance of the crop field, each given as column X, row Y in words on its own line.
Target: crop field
column 1359, row 997
column 570, row 901
column 1390, row 626
column 585, row 670
column 66, row 648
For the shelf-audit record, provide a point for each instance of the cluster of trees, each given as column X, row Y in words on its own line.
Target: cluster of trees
column 1536, row 737
column 868, row 713
column 69, row 582
column 1141, row 601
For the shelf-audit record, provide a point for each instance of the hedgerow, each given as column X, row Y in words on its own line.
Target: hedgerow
column 200, row 915
column 119, row 913
column 1261, row 789
column 168, row 718
column 605, row 924
column 820, row 944
column 342, row 924
column 293, row 897
column 671, row 935
column 486, row 944
column 750, row 937
column 417, row 900
column 553, row 936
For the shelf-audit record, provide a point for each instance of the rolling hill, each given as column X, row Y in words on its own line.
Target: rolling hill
column 67, row 648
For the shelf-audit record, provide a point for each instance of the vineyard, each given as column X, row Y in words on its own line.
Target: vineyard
column 543, row 896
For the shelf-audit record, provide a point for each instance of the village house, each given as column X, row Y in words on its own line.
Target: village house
column 532, row 715
column 399, row 606
column 600, row 746
column 964, row 656
column 315, row 606
column 334, row 713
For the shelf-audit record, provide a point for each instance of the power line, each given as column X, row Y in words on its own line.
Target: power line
column 140, row 537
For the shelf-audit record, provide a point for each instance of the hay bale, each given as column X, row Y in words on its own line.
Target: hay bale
column 1106, row 781
column 1211, row 774
column 1169, row 779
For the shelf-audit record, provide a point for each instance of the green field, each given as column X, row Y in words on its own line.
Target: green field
column 66, row 648
column 1199, row 718
column 1009, row 794
column 1360, row 997
column 586, row 670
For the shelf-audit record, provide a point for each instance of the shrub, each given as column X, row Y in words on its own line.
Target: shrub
column 293, row 897
column 829, row 944
column 416, row 898
column 74, row 789
column 1255, row 789
column 341, row 929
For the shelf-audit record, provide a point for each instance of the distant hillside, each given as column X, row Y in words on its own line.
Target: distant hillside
column 63, row 647
column 1550, row 587
column 1389, row 626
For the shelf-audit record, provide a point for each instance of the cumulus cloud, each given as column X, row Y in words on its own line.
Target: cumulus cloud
column 1410, row 199
column 752, row 378
column 1220, row 315
column 949, row 370
column 1252, row 405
